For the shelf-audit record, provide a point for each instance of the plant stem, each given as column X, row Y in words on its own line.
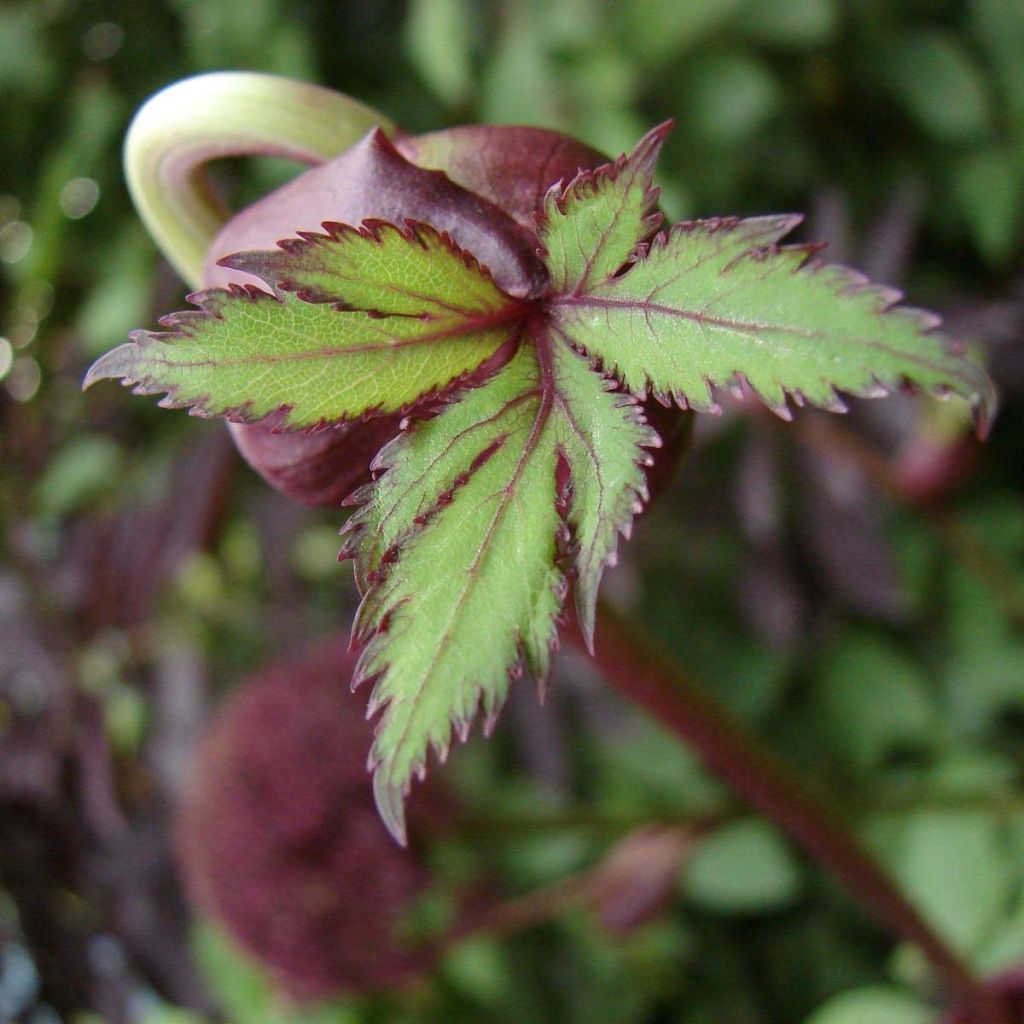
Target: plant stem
column 223, row 114
column 631, row 662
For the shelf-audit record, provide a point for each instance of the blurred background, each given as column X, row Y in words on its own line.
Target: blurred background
column 851, row 587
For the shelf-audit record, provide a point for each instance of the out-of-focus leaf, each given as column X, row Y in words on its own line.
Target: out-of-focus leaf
column 873, row 700
column 985, row 654
column 955, row 867
column 86, row 467
column 642, row 764
column 1000, row 28
column 125, row 715
column 972, row 771
column 742, row 868
column 989, row 186
column 655, row 30
column 1004, row 948
column 247, row 994
column 438, row 41
column 604, row 85
column 791, row 23
column 604, row 992
column 266, row 38
column 479, row 968
column 164, row 1014
column 729, row 96
column 314, row 551
column 26, row 65
column 875, row 1004
column 242, row 988
column 520, row 83
column 94, row 114
column 121, row 294
column 935, row 77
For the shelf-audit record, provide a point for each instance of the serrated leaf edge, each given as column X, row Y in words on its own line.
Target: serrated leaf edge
column 261, row 262
column 630, row 504
column 585, row 185
column 118, row 363
column 390, row 798
column 978, row 390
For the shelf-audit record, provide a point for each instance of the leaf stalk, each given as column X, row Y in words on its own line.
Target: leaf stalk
column 226, row 114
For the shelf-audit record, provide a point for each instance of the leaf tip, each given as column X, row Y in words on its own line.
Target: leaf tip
column 983, row 409
column 659, row 133
column 390, row 800
column 116, row 364
column 237, row 261
column 585, row 618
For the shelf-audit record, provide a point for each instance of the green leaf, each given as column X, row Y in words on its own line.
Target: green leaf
column 591, row 228
column 475, row 592
column 389, row 271
column 956, row 867
column 877, row 1004
column 742, row 868
column 438, row 41
column 717, row 302
column 873, row 700
column 458, row 548
column 410, row 314
column 599, row 432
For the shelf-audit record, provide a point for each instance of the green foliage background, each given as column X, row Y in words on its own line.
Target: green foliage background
column 877, row 644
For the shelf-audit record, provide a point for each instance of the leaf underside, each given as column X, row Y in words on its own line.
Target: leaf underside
column 425, row 315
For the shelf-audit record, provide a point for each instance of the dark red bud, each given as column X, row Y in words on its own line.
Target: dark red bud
column 280, row 841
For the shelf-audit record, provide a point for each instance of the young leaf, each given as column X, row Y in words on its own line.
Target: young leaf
column 713, row 302
column 710, row 303
column 599, row 433
column 592, row 227
column 481, row 517
column 418, row 314
column 475, row 591
column 356, row 268
column 457, row 549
